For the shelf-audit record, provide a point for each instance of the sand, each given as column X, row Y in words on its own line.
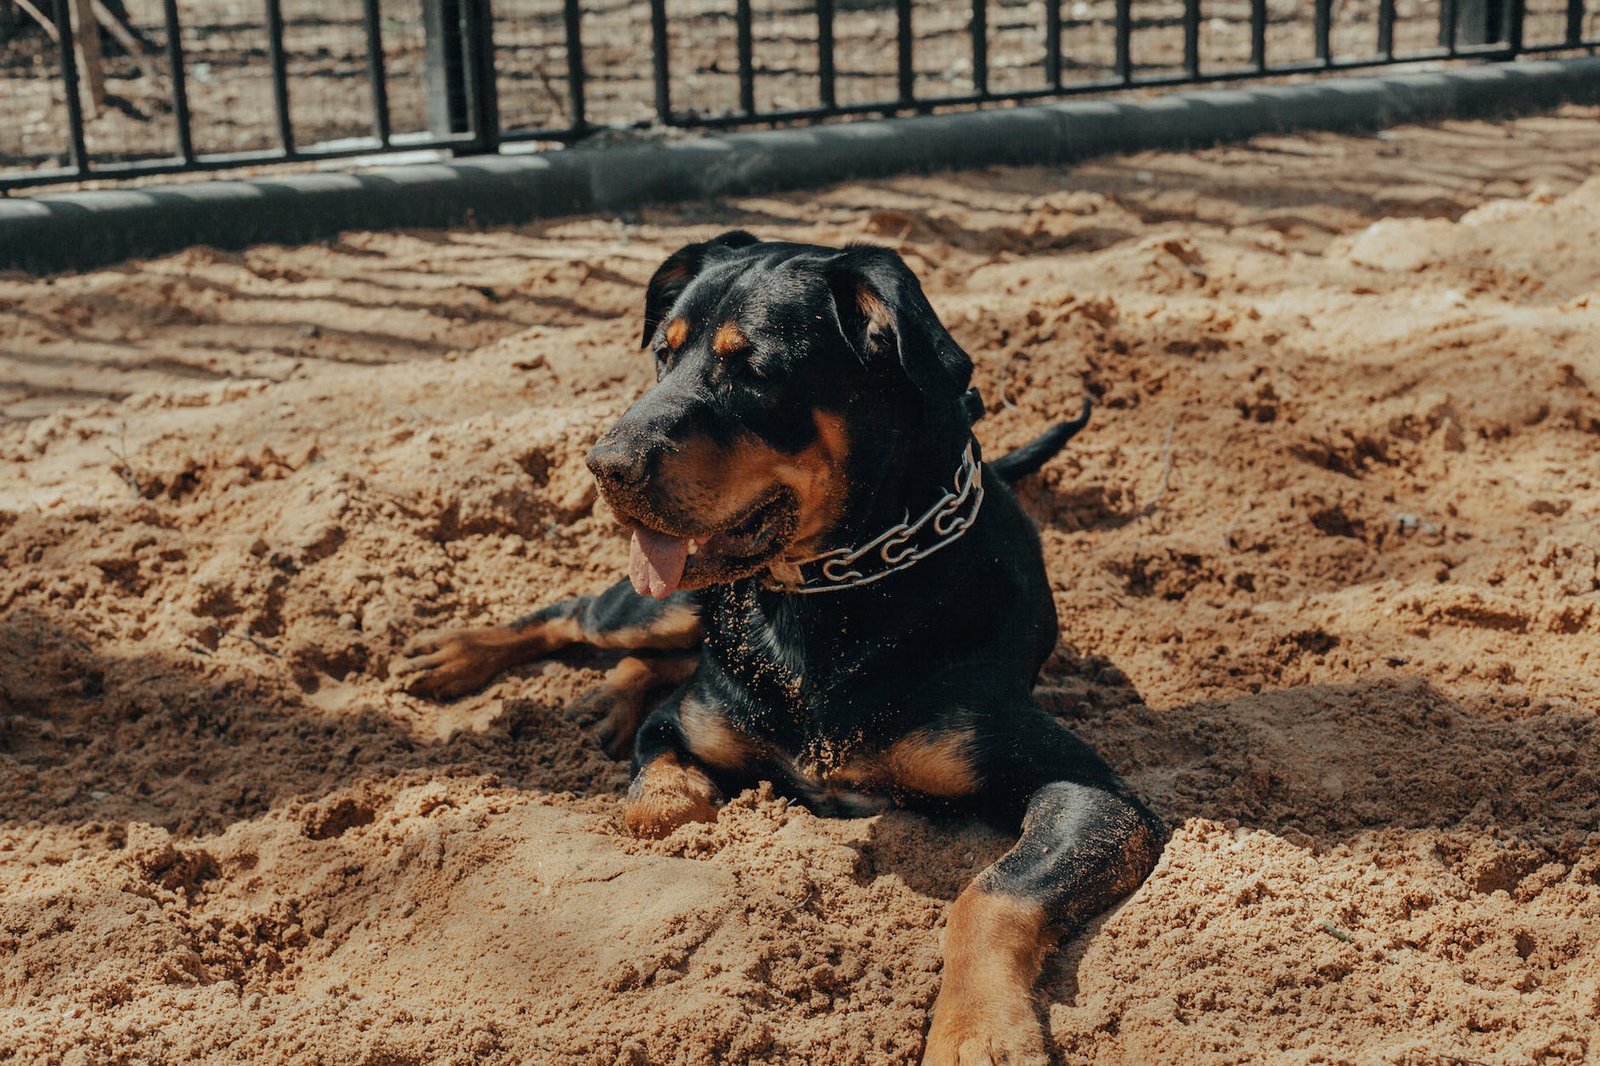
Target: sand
column 1326, row 560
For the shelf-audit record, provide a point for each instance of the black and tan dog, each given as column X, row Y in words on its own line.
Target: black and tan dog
column 847, row 601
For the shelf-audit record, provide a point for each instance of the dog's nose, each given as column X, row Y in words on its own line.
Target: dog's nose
column 620, row 464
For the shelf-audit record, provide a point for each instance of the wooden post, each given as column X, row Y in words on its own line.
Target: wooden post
column 123, row 31
column 86, row 42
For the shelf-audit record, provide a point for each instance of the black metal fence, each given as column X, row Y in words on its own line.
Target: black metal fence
column 224, row 86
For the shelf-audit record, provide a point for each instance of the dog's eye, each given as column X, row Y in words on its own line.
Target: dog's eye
column 753, row 370
column 663, row 360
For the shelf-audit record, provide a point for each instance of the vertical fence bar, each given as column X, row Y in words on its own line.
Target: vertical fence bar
column 1191, row 38
column 1258, row 34
column 280, row 75
column 1447, row 24
column 444, row 68
column 376, row 77
column 905, row 73
column 483, row 99
column 69, row 80
column 980, row 47
column 658, row 56
column 1324, row 16
column 1386, row 28
column 747, row 63
column 572, row 15
column 1052, row 43
column 180, row 83
column 1515, row 13
column 1125, row 40
column 825, row 72
column 1479, row 22
column 1574, row 22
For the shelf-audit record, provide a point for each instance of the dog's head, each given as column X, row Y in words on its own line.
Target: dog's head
column 784, row 372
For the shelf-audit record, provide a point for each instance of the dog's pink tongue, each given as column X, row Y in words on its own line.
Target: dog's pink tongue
column 656, row 562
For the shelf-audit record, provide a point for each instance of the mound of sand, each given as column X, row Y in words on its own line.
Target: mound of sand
column 1326, row 562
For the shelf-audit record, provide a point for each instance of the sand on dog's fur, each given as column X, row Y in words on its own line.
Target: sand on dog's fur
column 1326, row 562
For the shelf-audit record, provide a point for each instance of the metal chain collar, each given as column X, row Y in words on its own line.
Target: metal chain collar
column 899, row 546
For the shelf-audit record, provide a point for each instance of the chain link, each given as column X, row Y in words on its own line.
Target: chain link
column 896, row 547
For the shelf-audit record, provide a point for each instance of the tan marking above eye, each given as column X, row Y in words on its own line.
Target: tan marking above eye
column 728, row 339
column 677, row 333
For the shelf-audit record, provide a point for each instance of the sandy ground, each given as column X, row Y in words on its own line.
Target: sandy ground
column 1327, row 565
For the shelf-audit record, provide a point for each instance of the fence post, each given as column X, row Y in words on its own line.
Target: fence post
column 658, row 59
column 377, row 75
column 443, row 72
column 280, row 75
column 825, row 72
column 572, row 15
column 1124, row 66
column 483, row 97
column 905, row 71
column 1477, row 22
column 180, row 85
column 69, row 80
column 1052, row 43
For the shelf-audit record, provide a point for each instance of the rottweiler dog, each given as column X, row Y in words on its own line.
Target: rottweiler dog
column 843, row 599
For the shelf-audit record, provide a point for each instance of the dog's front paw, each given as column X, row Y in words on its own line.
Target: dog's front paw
column 616, row 706
column 445, row 663
column 666, row 794
column 984, row 1015
column 616, row 716
column 989, row 1027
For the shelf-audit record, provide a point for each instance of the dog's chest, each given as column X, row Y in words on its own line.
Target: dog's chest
column 791, row 656
column 837, row 780
column 801, row 688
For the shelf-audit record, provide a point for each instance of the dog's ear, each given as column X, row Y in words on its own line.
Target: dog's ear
column 674, row 275
column 884, row 315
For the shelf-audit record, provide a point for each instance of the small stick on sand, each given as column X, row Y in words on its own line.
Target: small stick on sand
column 249, row 639
column 1166, row 474
column 1166, row 462
column 1337, row 933
column 125, row 469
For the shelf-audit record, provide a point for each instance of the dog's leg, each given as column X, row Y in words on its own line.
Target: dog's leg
column 619, row 703
column 670, row 785
column 446, row 663
column 1086, row 842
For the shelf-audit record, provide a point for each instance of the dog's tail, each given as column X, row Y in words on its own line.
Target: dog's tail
column 1018, row 464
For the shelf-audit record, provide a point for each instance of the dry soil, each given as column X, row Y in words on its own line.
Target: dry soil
column 1326, row 560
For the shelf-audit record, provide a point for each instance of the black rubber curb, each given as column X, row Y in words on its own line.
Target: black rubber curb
column 76, row 231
